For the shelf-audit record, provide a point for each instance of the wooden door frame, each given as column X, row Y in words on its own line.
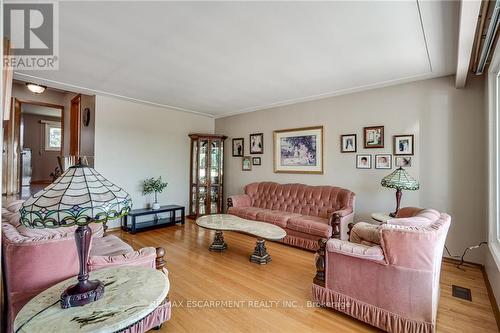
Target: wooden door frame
column 16, row 137
column 75, row 135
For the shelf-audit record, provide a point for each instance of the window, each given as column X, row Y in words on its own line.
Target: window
column 53, row 136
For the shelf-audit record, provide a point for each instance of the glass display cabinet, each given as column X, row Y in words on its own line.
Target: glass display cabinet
column 207, row 174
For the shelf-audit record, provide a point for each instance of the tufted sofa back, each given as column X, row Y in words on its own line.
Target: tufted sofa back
column 299, row 198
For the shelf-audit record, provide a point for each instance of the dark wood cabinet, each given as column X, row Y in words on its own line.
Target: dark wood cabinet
column 206, row 184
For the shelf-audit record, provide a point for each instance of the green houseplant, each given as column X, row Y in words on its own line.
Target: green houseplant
column 154, row 185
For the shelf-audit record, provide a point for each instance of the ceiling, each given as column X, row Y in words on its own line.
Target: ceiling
column 40, row 110
column 222, row 58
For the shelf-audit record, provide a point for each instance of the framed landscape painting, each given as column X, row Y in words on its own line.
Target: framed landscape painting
column 299, row 150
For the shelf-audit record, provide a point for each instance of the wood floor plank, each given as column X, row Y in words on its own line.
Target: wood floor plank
column 198, row 276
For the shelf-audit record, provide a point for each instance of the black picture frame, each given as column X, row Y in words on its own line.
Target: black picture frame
column 256, row 161
column 257, row 150
column 343, row 148
column 411, row 146
column 241, row 151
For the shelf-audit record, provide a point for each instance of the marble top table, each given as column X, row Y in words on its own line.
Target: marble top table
column 381, row 217
column 130, row 294
column 227, row 222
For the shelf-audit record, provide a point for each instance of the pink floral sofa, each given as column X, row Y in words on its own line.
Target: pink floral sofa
column 393, row 285
column 307, row 213
column 31, row 267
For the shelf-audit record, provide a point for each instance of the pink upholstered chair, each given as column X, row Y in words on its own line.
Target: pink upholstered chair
column 393, row 286
column 30, row 266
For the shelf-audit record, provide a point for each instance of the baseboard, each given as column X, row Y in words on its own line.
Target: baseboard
column 492, row 298
column 466, row 263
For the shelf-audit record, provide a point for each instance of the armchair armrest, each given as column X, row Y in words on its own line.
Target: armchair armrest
column 145, row 257
column 240, row 200
column 373, row 253
column 335, row 220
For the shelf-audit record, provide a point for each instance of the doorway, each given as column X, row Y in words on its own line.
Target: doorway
column 41, row 142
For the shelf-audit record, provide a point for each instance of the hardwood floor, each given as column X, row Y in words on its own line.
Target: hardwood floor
column 276, row 297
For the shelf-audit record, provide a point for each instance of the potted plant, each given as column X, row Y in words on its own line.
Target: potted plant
column 152, row 185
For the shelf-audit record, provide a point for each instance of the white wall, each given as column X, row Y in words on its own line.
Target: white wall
column 134, row 141
column 449, row 162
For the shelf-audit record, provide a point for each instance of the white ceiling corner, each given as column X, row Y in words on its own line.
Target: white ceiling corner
column 221, row 58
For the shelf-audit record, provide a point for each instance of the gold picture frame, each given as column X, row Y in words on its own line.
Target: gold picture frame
column 298, row 150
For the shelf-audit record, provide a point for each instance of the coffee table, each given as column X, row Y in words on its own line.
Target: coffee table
column 227, row 222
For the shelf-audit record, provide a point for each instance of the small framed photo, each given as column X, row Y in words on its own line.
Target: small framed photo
column 373, row 137
column 246, row 163
column 403, row 161
column 257, row 143
column 348, row 143
column 238, row 147
column 256, row 161
column 383, row 161
column 404, row 144
column 364, row 161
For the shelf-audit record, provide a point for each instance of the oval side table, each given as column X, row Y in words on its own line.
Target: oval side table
column 127, row 299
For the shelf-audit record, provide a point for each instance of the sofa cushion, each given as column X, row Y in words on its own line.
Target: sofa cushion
column 109, row 246
column 310, row 225
column 276, row 217
column 14, row 206
column 249, row 213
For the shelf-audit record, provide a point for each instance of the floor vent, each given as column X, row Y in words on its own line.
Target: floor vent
column 461, row 292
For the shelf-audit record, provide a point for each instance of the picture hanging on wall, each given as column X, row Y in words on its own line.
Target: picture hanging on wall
column 373, row 137
column 246, row 163
column 403, row 161
column 299, row 150
column 257, row 143
column 404, row 144
column 383, row 161
column 238, row 147
column 256, row 161
column 348, row 143
column 364, row 161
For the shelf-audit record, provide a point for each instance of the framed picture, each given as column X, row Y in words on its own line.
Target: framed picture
column 403, row 161
column 383, row 161
column 348, row 143
column 257, row 143
column 373, row 137
column 256, row 161
column 364, row 161
column 246, row 163
column 299, row 150
column 238, row 147
column 404, row 144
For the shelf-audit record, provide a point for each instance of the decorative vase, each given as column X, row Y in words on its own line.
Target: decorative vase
column 156, row 206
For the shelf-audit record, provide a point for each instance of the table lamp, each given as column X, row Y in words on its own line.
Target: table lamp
column 80, row 196
column 400, row 180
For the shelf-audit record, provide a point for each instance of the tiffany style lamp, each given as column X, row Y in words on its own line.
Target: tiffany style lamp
column 78, row 197
column 400, row 180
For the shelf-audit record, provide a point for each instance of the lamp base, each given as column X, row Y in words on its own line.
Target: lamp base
column 84, row 292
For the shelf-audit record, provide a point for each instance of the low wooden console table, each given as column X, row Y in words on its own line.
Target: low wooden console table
column 156, row 222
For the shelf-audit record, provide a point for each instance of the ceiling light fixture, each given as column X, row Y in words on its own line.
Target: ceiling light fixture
column 36, row 88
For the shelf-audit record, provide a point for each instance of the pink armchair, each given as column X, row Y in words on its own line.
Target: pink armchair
column 30, row 266
column 393, row 286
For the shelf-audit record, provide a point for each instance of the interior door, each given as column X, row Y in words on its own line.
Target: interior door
column 74, row 126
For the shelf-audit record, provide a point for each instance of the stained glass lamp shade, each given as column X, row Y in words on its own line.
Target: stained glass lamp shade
column 78, row 197
column 400, row 180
